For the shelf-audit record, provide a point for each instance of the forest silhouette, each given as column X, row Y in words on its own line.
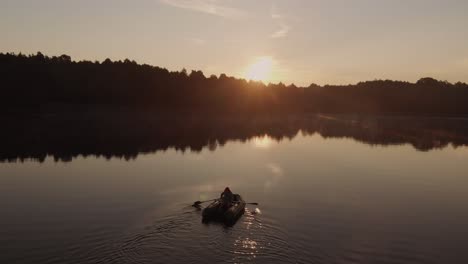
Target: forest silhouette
column 37, row 82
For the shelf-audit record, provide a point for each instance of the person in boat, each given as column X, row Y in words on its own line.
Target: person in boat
column 227, row 197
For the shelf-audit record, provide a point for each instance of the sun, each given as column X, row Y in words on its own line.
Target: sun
column 260, row 69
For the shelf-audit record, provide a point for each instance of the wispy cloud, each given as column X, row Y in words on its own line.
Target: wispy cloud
column 275, row 14
column 282, row 32
column 197, row 41
column 283, row 27
column 212, row 7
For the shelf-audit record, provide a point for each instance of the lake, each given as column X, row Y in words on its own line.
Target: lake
column 331, row 189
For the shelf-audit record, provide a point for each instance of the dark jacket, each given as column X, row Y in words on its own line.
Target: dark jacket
column 227, row 197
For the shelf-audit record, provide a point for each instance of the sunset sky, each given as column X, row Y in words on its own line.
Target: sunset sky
column 294, row 41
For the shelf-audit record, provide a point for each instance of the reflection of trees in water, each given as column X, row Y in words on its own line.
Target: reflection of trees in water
column 422, row 133
column 126, row 136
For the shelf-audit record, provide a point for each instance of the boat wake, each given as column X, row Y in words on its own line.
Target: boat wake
column 183, row 238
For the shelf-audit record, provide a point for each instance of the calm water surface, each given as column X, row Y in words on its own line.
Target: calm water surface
column 320, row 201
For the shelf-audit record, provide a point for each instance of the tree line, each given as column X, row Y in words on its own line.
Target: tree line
column 36, row 81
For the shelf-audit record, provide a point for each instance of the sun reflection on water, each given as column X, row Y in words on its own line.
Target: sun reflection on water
column 248, row 245
column 262, row 142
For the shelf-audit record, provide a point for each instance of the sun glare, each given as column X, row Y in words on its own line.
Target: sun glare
column 260, row 69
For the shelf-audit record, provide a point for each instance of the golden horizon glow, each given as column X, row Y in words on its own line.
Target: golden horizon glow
column 322, row 42
column 260, row 69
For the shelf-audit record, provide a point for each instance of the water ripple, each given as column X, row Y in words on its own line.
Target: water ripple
column 182, row 237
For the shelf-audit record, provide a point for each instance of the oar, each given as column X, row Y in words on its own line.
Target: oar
column 247, row 203
column 197, row 203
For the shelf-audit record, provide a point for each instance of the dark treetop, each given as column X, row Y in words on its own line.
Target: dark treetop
column 38, row 82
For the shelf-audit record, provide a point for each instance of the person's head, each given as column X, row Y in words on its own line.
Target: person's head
column 227, row 189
